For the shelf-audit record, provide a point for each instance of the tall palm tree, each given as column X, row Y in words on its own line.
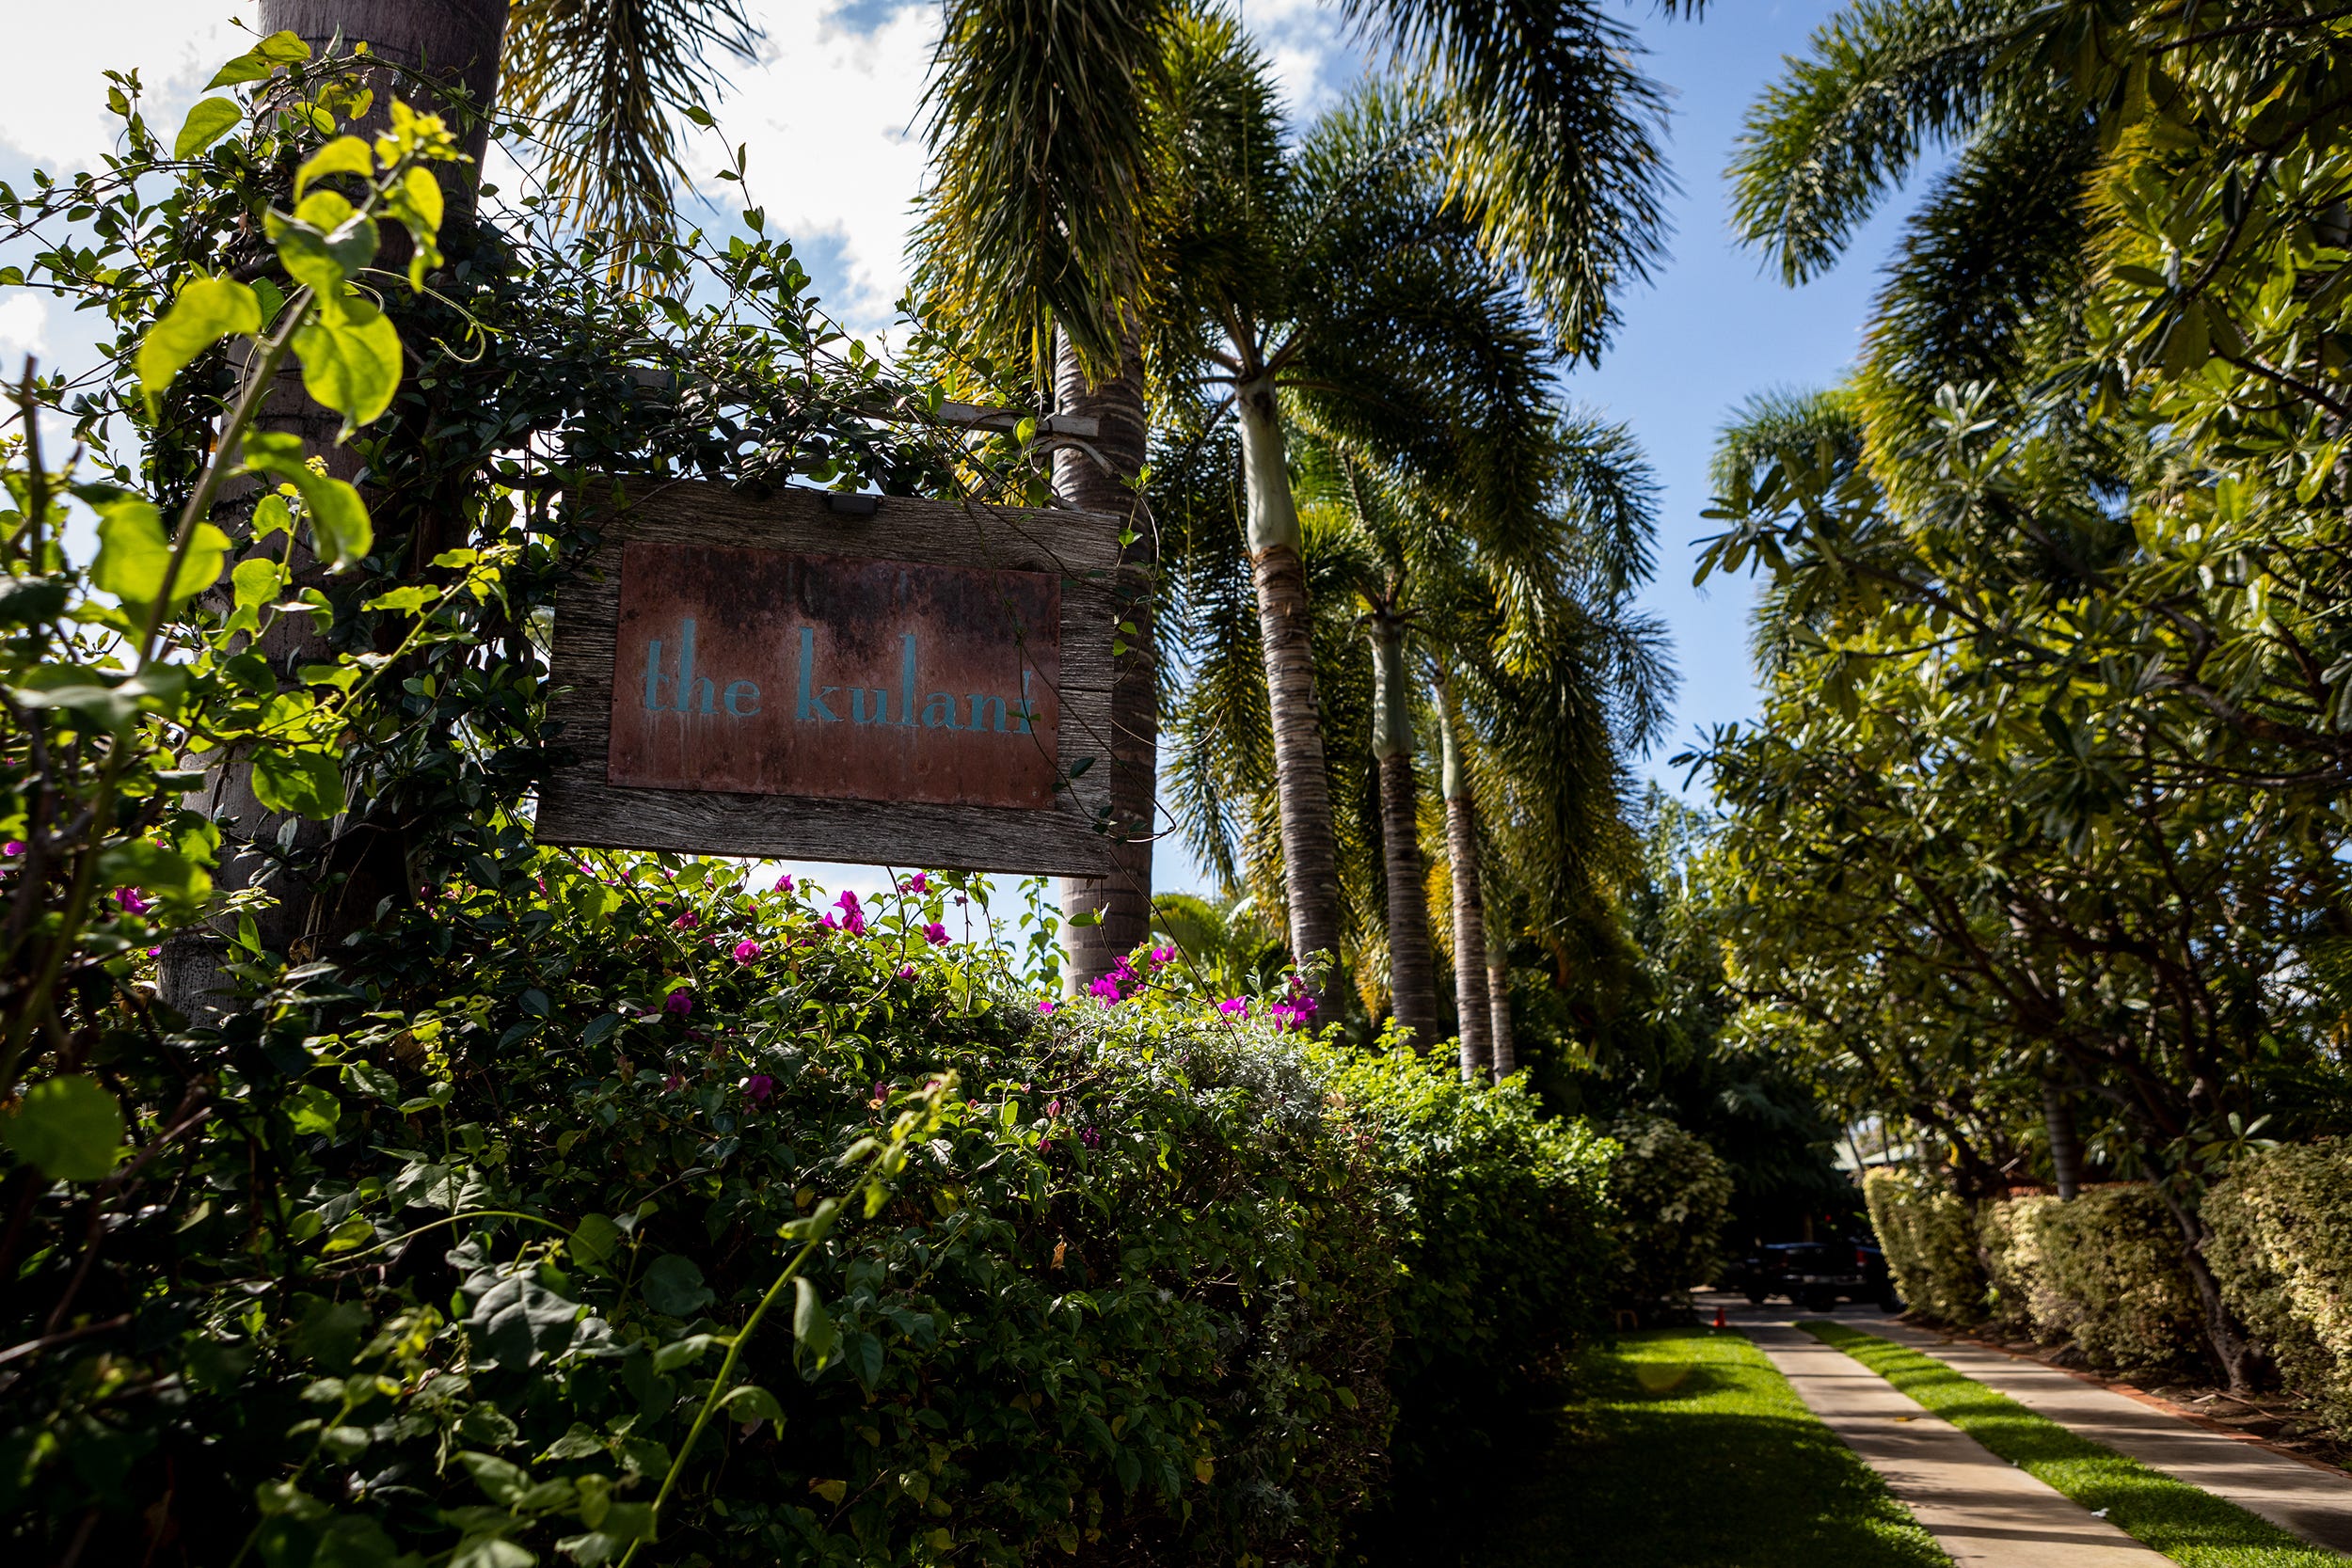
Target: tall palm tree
column 1039, row 218
column 1332, row 284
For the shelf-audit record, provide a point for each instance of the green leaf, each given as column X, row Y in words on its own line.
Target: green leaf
column 491, row 1551
column 751, row 1402
column 247, row 67
column 324, row 243
column 404, row 599
column 328, row 1331
column 350, row 361
column 30, row 601
column 314, row 1111
column 339, row 518
column 175, row 877
column 133, row 553
column 283, row 47
column 211, row 119
column 69, row 1126
column 812, row 1325
column 307, row 781
column 673, row 1286
column 258, row 580
column 501, row 1481
column 520, row 1321
column 594, row 1239
column 343, row 156
column 207, row 310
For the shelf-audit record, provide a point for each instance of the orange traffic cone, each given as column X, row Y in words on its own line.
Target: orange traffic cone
column 1720, row 1322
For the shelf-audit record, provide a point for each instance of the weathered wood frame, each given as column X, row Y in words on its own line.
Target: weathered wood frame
column 579, row 806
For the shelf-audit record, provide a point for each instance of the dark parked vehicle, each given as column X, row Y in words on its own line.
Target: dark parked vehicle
column 1817, row 1275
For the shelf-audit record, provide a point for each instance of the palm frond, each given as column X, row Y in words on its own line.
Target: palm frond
column 606, row 81
column 1038, row 123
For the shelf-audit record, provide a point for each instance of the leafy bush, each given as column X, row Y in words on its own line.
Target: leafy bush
column 2010, row 1239
column 1928, row 1236
column 2280, row 1241
column 2115, row 1284
column 1673, row 1199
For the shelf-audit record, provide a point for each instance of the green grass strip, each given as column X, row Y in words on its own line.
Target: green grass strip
column 2188, row 1524
column 1684, row 1449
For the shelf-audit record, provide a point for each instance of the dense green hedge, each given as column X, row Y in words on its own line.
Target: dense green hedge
column 1928, row 1236
column 1673, row 1195
column 2281, row 1246
column 1149, row 1286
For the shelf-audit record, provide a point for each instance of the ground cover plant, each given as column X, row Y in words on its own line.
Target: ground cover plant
column 1684, row 1446
column 2188, row 1524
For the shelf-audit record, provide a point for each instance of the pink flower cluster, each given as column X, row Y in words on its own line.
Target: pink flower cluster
column 1297, row 1008
column 852, row 918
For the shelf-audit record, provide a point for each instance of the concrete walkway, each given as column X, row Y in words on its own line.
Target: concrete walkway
column 1984, row 1512
column 2303, row 1499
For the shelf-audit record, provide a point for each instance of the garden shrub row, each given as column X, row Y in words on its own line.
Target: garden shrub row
column 2104, row 1272
column 1153, row 1283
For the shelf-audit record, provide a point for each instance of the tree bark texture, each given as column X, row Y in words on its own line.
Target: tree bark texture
column 1302, row 787
column 457, row 41
column 1102, row 478
column 1412, row 960
column 2241, row 1361
column 1499, row 999
column 2066, row 1143
column 1470, row 1001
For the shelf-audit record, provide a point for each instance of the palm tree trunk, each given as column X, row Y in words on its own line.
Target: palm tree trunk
column 1103, row 480
column 1412, row 963
column 1470, row 1003
column 459, row 42
column 1302, row 788
column 1499, row 999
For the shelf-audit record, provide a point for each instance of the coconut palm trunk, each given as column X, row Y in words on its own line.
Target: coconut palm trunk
column 1470, row 906
column 1507, row 1060
column 1302, row 787
column 1412, row 963
column 1103, row 480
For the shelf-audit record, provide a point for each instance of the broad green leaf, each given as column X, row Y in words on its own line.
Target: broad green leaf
column 324, row 243
column 337, row 517
column 314, row 1111
column 812, row 1325
column 329, row 1332
column 501, row 1481
column 673, row 1286
column 491, row 1551
column 404, row 600
column 206, row 311
column 257, row 580
column 283, row 47
column 751, row 1402
column 211, row 119
column 303, row 779
column 159, row 873
column 350, row 361
column 69, row 1126
column 594, row 1239
column 355, row 1541
column 520, row 1321
column 133, row 553
column 271, row 515
column 343, row 156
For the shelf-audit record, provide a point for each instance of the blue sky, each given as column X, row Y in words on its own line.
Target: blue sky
column 830, row 113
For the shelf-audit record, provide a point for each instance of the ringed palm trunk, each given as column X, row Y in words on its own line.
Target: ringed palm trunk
column 1302, row 788
column 1470, row 1000
column 1506, row 1059
column 1412, row 963
column 1103, row 480
column 458, row 42
column 2066, row 1143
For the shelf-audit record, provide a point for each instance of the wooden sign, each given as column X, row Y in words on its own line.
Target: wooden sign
column 811, row 676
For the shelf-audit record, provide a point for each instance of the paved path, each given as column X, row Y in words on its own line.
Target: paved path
column 1983, row 1510
column 2302, row 1498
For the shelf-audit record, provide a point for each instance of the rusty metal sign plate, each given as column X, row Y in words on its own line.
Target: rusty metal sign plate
column 893, row 681
column 754, row 671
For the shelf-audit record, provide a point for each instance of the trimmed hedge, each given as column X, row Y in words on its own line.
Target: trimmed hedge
column 2281, row 1246
column 2103, row 1272
column 1929, row 1239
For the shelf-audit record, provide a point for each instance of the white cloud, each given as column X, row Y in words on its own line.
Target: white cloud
column 52, row 84
column 24, row 330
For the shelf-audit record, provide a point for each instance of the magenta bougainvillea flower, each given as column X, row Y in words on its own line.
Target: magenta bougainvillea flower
column 1162, row 954
column 853, row 917
column 906, row 971
column 1106, row 988
column 1045, row 1004
column 680, row 1001
column 758, row 1087
column 746, row 950
column 130, row 899
column 935, row 934
column 916, row 883
column 1091, row 1138
column 784, row 883
column 672, row 1084
column 1234, row 1006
